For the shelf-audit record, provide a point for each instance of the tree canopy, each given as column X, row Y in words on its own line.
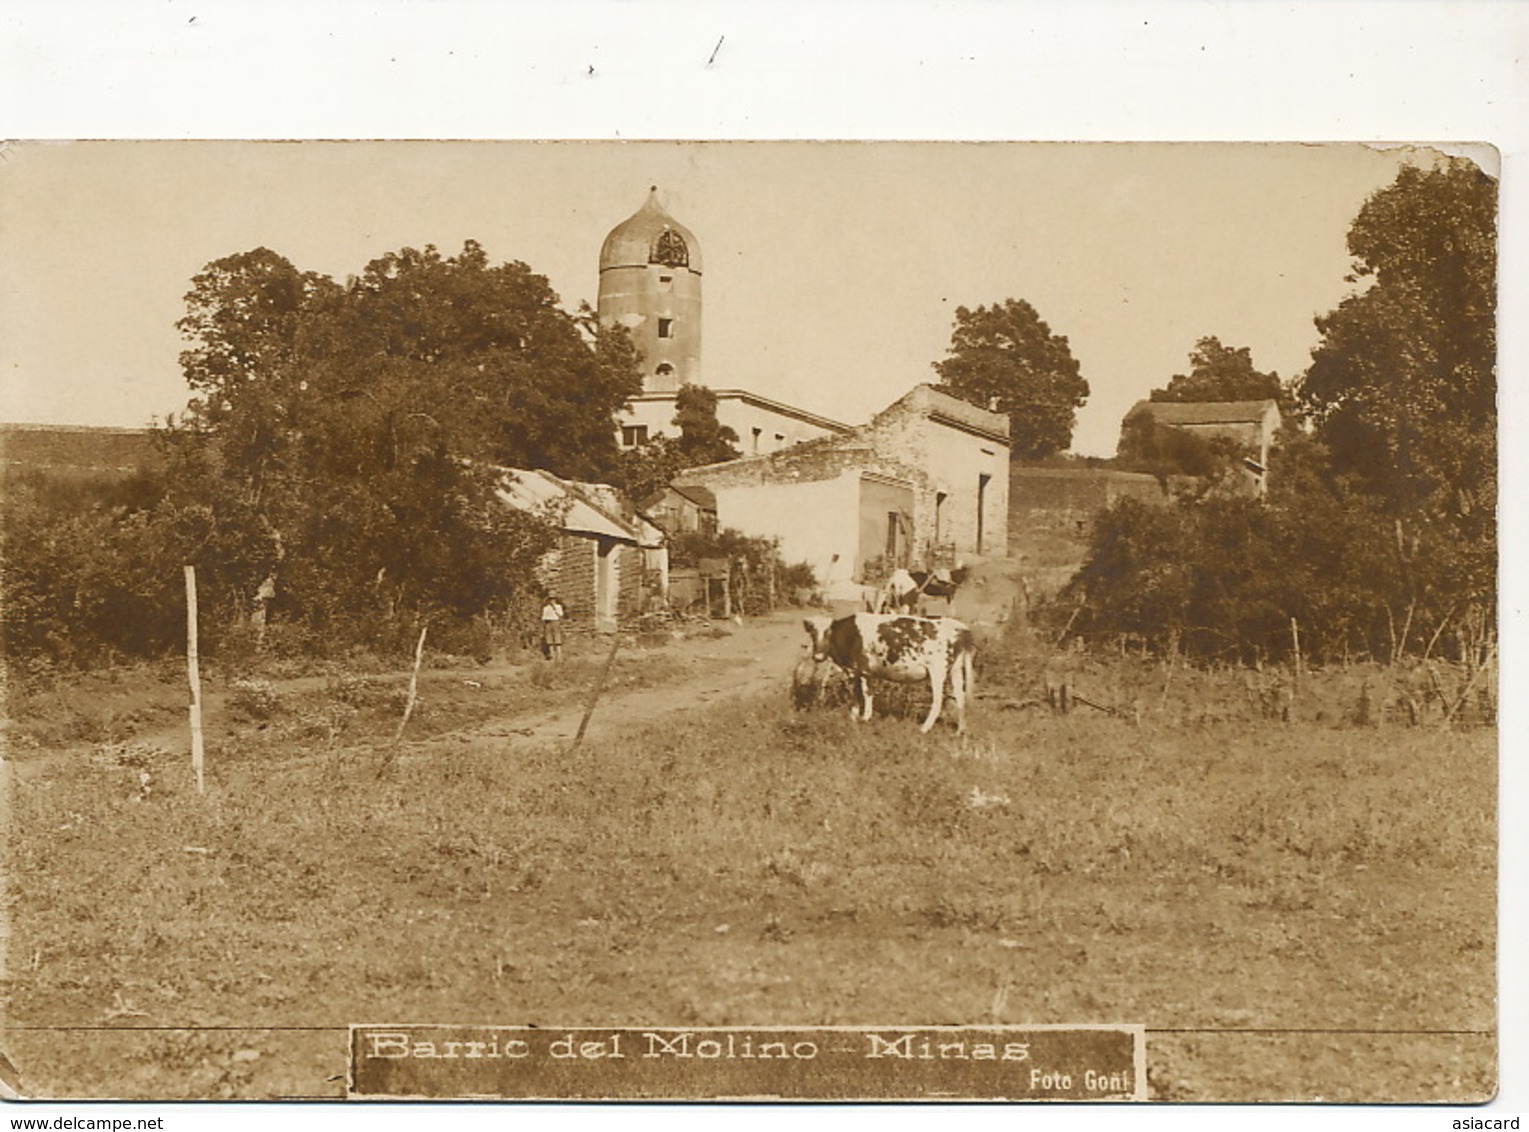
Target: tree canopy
column 702, row 440
column 1006, row 358
column 344, row 435
column 1403, row 386
column 1220, row 373
column 1378, row 535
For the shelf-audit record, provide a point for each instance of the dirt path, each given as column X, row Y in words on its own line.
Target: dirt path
column 755, row 657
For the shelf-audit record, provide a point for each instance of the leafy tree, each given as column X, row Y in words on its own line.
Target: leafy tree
column 485, row 350
column 345, row 436
column 1221, row 373
column 1163, row 451
column 703, row 439
column 650, row 467
column 1379, row 534
column 1006, row 358
column 1402, row 387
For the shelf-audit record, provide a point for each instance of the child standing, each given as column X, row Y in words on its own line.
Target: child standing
column 552, row 627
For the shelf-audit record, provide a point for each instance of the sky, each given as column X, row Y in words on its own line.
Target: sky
column 832, row 270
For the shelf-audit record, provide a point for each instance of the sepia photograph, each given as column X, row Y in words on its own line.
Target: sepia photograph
column 653, row 589
column 780, row 619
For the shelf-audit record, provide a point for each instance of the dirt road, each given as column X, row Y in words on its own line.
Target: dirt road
column 728, row 662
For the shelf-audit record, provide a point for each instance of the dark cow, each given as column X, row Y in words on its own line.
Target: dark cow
column 905, row 590
column 894, row 647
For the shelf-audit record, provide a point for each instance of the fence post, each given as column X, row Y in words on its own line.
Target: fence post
column 594, row 696
column 194, row 675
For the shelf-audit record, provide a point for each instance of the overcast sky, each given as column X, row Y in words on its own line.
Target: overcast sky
column 832, row 270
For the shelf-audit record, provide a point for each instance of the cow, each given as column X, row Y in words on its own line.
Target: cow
column 899, row 594
column 905, row 590
column 891, row 646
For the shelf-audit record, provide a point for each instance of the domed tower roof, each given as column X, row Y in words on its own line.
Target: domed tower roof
column 650, row 235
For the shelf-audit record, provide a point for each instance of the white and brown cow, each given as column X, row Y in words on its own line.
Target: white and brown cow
column 889, row 646
column 906, row 590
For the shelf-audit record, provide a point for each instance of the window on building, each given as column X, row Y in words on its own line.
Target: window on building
column 666, row 282
column 982, row 482
column 664, row 369
column 758, row 432
column 666, row 328
column 633, row 434
column 670, row 250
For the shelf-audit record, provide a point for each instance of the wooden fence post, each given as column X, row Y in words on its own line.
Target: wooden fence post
column 194, row 675
column 594, row 696
column 408, row 707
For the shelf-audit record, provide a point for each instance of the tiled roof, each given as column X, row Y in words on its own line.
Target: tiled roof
column 1204, row 412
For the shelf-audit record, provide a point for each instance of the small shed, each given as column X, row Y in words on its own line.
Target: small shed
column 680, row 509
column 610, row 561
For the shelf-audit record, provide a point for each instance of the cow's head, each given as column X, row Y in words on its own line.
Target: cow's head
column 817, row 629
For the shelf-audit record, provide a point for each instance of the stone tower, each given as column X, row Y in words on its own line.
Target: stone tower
column 650, row 283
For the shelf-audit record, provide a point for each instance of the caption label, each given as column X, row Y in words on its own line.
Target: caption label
column 978, row 1063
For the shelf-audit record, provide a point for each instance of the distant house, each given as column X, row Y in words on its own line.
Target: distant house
column 682, row 510
column 610, row 562
column 925, row 482
column 1252, row 424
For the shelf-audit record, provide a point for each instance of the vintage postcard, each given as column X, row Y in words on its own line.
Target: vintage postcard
column 800, row 621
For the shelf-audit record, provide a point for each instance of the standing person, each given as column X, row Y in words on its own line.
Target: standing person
column 552, row 627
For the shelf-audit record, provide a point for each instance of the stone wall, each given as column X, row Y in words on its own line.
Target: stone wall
column 1066, row 499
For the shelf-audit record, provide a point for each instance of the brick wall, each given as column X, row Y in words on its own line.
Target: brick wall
column 629, row 589
column 569, row 572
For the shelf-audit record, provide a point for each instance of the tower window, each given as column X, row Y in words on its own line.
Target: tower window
column 664, row 369
column 666, row 283
column 666, row 328
column 670, row 250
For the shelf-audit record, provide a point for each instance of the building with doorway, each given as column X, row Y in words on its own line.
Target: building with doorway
column 650, row 283
column 609, row 562
column 924, row 483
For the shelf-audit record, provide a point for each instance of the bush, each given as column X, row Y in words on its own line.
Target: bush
column 1223, row 578
column 756, row 571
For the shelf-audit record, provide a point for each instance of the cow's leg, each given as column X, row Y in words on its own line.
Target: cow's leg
column 864, row 687
column 960, row 687
column 937, row 673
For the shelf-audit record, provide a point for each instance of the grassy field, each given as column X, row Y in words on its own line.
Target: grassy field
column 1296, row 909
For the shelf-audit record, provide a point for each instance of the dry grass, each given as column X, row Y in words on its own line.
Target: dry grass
column 1190, row 865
